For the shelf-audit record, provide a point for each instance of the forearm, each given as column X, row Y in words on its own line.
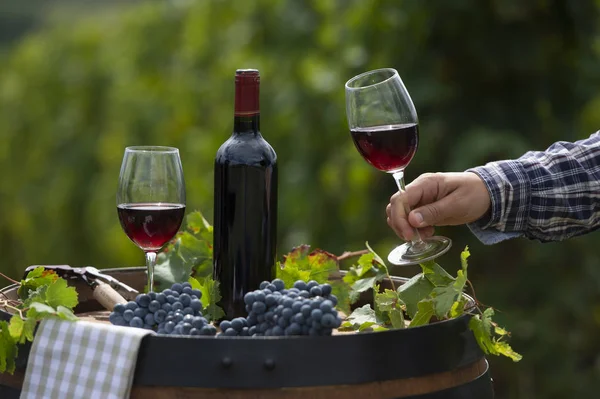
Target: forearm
column 546, row 195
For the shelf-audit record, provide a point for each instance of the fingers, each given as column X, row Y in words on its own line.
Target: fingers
column 438, row 213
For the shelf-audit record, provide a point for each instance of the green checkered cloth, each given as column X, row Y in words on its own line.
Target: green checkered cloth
column 82, row 360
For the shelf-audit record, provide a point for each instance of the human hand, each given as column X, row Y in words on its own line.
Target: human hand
column 438, row 199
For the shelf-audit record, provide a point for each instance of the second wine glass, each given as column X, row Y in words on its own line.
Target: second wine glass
column 151, row 199
column 384, row 126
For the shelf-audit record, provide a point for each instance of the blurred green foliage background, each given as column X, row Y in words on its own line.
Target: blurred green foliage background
column 490, row 79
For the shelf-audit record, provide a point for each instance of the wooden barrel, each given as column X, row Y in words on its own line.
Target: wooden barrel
column 436, row 361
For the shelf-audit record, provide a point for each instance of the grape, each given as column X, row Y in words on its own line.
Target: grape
column 198, row 322
column 225, row 325
column 287, row 313
column 167, row 307
column 259, row 307
column 185, row 299
column 187, row 290
column 328, row 320
column 325, row 289
column 259, row 296
column 197, row 293
column 186, row 328
column 177, row 288
column 278, row 283
column 152, row 295
column 136, row 322
column 128, row 315
column 149, row 319
column 288, row 302
column 131, row 305
column 140, row 312
column 230, row 332
column 316, row 291
column 263, row 285
column 301, row 285
column 316, row 314
column 171, row 299
column 208, row 330
column 306, row 309
column 167, row 292
column 154, row 306
column 296, row 306
column 249, row 298
column 161, row 298
column 237, row 324
column 160, row 315
column 196, row 305
column 177, row 306
column 326, row 306
column 143, row 300
column 186, row 285
column 194, row 331
column 169, row 327
column 311, row 284
column 304, row 294
column 116, row 319
column 119, row 308
column 188, row 310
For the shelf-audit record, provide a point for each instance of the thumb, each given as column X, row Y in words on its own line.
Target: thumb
column 434, row 214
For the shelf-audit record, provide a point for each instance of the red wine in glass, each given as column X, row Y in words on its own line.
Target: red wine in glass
column 388, row 148
column 383, row 123
column 151, row 199
column 151, row 225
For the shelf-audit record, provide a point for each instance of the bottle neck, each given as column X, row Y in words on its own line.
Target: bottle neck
column 247, row 107
column 246, row 124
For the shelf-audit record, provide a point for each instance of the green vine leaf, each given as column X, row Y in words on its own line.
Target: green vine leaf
column 424, row 313
column 60, row 294
column 414, row 291
column 481, row 326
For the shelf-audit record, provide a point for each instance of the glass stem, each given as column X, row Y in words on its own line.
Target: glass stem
column 416, row 243
column 150, row 262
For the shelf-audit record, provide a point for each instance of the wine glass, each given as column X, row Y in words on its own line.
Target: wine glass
column 384, row 126
column 151, row 199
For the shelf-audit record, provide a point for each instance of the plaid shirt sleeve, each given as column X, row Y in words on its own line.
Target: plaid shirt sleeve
column 545, row 195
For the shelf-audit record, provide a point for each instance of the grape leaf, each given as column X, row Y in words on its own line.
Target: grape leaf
column 436, row 274
column 397, row 318
column 386, row 301
column 361, row 316
column 196, row 252
column 171, row 267
column 364, row 284
column 290, row 275
column 319, row 264
column 28, row 330
column 210, row 297
column 424, row 313
column 60, row 294
column 458, row 307
column 65, row 313
column 8, row 349
column 362, row 270
column 36, row 278
column 443, row 298
column 376, row 257
column 15, row 327
column 199, row 226
column 414, row 291
column 38, row 310
column 189, row 254
column 342, row 292
column 481, row 326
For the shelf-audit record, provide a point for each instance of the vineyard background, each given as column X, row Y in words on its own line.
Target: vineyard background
column 490, row 79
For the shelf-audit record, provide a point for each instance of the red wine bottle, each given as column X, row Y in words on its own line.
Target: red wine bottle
column 245, row 202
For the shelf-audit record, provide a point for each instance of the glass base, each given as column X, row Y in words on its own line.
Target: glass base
column 407, row 254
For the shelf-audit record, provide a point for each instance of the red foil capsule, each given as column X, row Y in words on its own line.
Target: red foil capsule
column 247, row 83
